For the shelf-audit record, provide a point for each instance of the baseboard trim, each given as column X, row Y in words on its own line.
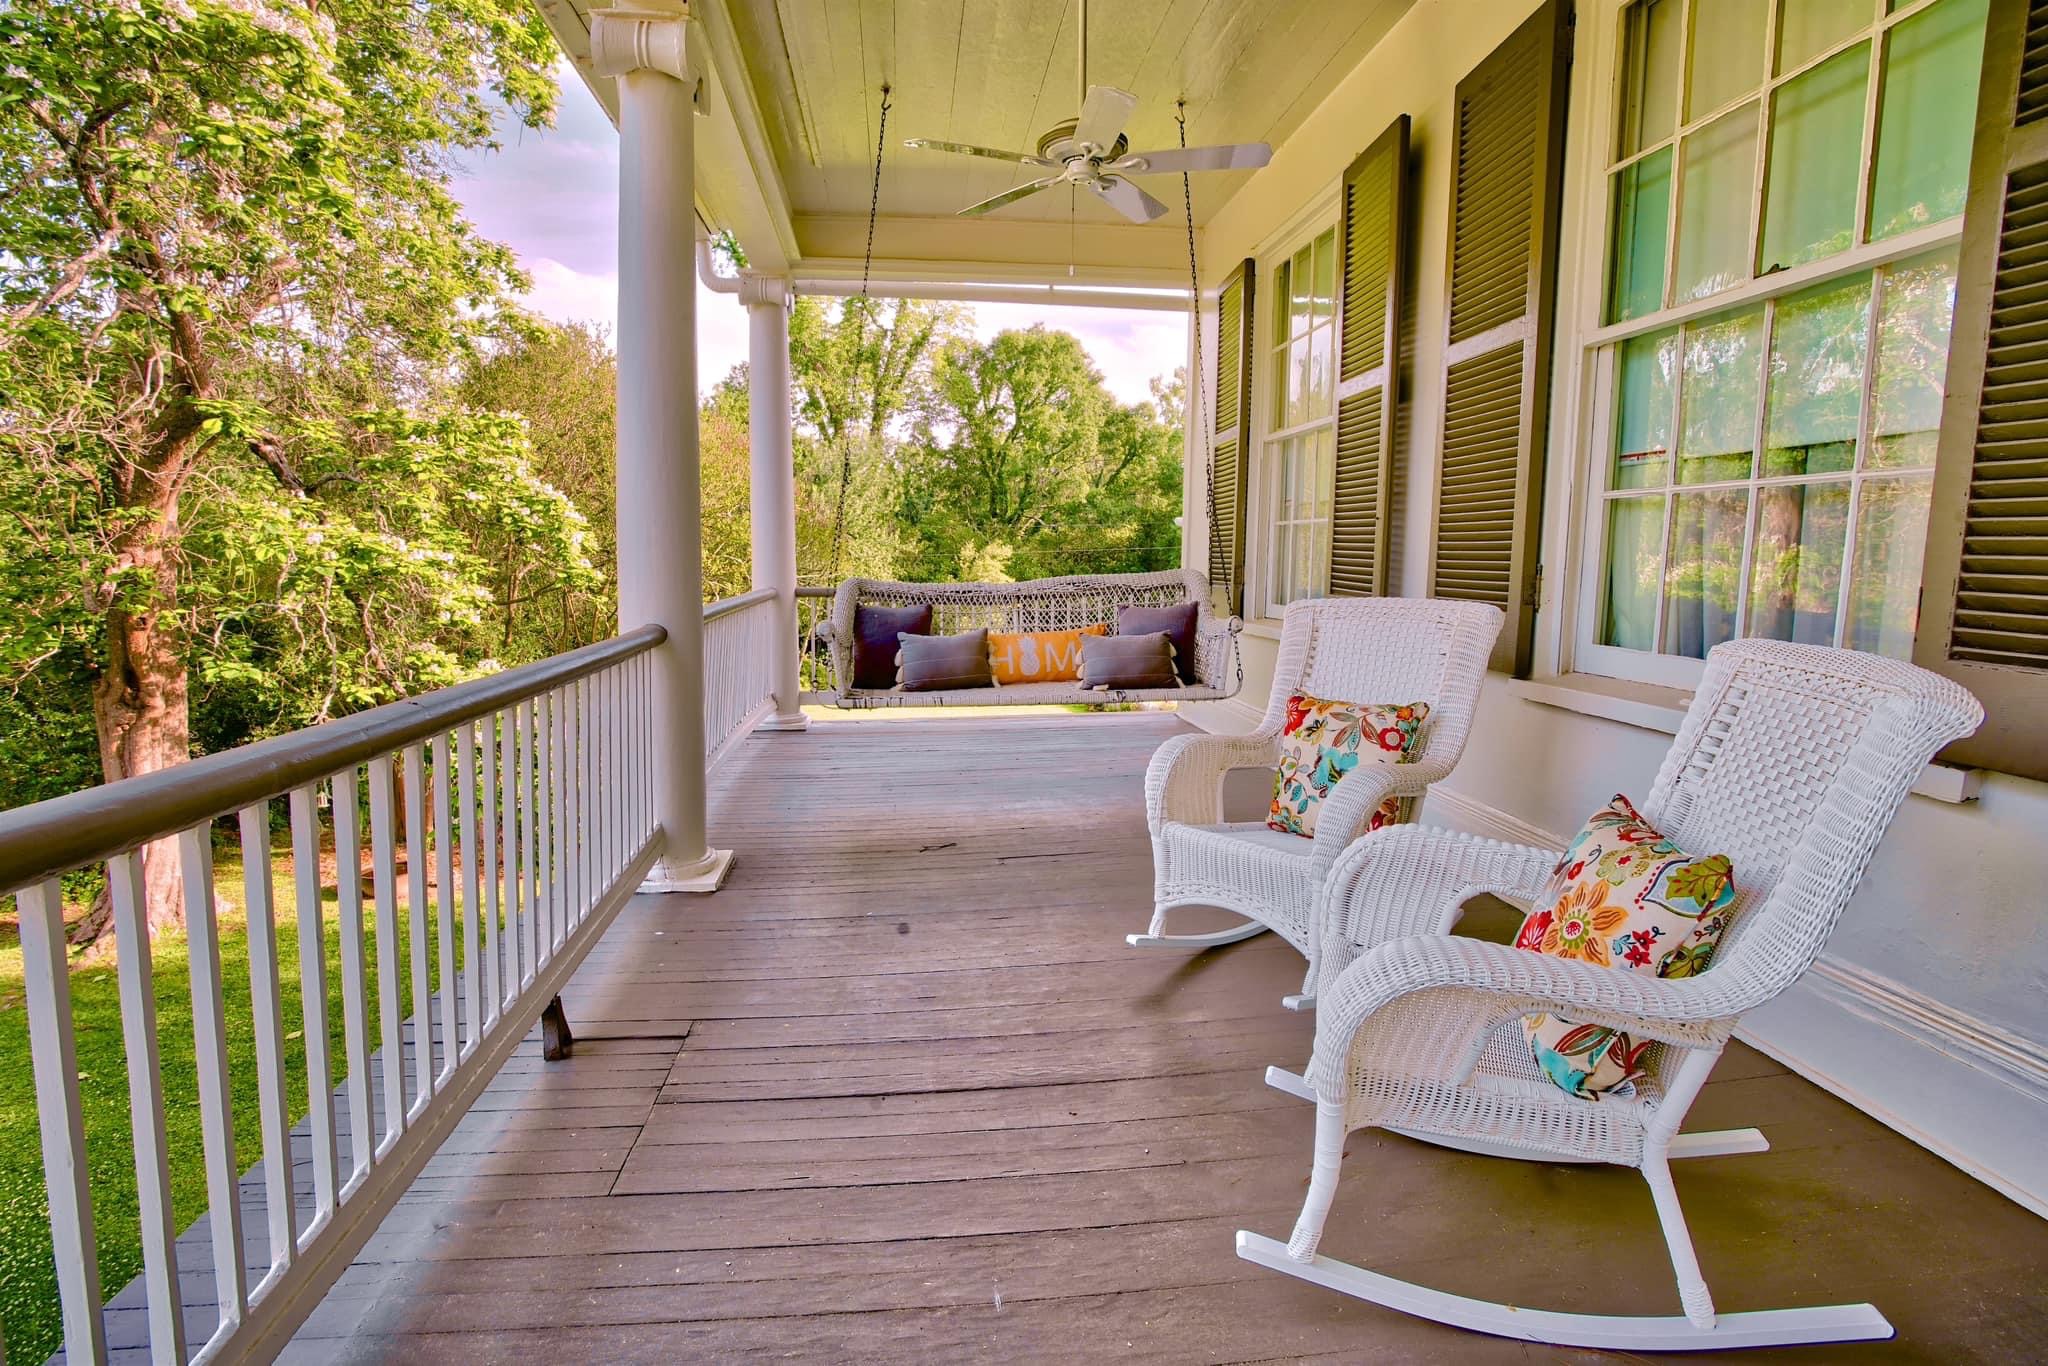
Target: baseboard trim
column 1978, row 1098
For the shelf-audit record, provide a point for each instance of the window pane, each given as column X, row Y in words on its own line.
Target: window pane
column 1702, row 585
column 1280, row 386
column 1713, row 224
column 1297, row 382
column 1299, row 275
column 1326, row 275
column 1805, row 27
column 1281, row 273
column 1727, row 53
column 1818, row 343
column 1816, row 150
column 1718, row 422
column 1795, row 574
column 1923, row 128
column 1635, row 532
column 1300, row 577
column 1884, row 592
column 1319, row 371
column 1649, row 91
column 1912, row 359
column 1642, row 212
column 1647, row 377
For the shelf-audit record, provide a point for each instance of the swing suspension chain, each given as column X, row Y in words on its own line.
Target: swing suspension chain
column 866, row 266
column 1187, row 200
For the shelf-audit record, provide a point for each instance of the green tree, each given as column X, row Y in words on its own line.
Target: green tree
column 228, row 254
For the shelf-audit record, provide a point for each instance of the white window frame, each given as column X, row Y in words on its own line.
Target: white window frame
column 1311, row 222
column 1594, row 350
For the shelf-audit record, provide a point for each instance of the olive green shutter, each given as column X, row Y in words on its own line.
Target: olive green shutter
column 1230, row 438
column 1370, row 268
column 1508, row 157
column 1984, row 601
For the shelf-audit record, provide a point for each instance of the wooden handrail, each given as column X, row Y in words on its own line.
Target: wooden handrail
column 55, row 836
column 727, row 606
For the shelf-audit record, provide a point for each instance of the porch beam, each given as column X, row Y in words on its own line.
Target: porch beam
column 644, row 50
column 772, row 504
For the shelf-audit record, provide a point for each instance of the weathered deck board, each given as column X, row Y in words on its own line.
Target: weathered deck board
column 899, row 1092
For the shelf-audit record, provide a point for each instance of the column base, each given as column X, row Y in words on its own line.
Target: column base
column 705, row 875
column 794, row 721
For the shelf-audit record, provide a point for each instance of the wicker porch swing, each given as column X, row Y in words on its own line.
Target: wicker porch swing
column 1077, row 603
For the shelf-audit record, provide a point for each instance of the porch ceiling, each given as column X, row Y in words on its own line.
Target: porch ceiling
column 785, row 152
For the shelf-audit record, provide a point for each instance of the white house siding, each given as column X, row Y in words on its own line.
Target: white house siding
column 1930, row 1010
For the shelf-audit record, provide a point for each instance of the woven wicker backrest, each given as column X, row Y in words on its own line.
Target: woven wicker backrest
column 1792, row 760
column 1389, row 650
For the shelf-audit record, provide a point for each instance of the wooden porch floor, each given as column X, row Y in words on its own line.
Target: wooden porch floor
column 900, row 1092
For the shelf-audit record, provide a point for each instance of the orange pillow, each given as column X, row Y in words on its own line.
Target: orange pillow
column 1038, row 656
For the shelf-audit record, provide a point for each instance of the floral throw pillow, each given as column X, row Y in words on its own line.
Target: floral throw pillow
column 1622, row 896
column 1322, row 741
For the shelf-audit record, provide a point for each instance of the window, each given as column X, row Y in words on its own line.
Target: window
column 1301, row 431
column 1785, row 184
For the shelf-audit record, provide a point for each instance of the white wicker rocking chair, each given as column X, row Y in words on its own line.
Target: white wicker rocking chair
column 1792, row 760
column 1354, row 649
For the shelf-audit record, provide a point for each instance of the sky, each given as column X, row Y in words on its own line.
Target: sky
column 552, row 196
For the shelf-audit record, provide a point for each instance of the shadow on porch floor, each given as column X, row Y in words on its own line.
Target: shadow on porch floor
column 900, row 1091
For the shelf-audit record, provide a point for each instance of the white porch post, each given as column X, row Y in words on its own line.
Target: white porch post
column 660, row 548
column 772, row 503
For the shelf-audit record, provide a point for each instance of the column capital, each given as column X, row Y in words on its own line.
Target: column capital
column 760, row 291
column 649, row 35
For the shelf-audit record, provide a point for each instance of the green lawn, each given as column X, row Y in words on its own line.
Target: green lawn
column 29, row 1315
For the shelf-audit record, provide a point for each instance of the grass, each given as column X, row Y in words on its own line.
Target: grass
column 29, row 1313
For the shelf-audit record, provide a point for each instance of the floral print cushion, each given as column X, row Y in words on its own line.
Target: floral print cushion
column 1322, row 741
column 1623, row 896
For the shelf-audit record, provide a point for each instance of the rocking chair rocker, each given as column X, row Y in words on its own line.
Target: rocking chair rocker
column 1792, row 760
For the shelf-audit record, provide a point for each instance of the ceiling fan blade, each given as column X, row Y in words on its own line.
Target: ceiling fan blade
column 1127, row 199
column 965, row 149
column 1239, row 156
column 1103, row 115
column 1010, row 196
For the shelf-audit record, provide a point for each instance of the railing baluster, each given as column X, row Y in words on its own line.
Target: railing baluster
column 135, row 969
column 451, row 974
column 550, row 864
column 348, row 887
column 53, row 1056
column 496, row 920
column 267, row 1015
column 422, row 832
column 384, row 879
column 210, row 1057
column 529, row 844
column 474, row 834
column 572, row 809
column 305, row 813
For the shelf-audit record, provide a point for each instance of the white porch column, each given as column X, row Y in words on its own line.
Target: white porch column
column 772, row 504
column 660, row 548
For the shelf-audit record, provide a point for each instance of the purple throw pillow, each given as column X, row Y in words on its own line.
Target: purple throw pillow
column 1178, row 622
column 1127, row 663
column 874, row 641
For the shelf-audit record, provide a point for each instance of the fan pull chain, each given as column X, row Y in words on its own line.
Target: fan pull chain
column 1187, row 201
column 867, row 263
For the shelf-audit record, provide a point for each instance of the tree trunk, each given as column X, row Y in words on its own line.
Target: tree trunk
column 139, row 702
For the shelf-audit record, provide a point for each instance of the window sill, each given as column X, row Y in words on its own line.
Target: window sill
column 1653, row 707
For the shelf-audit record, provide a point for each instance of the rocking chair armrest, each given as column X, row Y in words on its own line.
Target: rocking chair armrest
column 1346, row 814
column 1184, row 782
column 1688, row 1011
column 1411, row 879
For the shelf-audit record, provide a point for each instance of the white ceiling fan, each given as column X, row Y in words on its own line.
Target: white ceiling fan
column 1090, row 151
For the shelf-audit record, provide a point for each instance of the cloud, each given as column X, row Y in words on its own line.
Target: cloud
column 1129, row 346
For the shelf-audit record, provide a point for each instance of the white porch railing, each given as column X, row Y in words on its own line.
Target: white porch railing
column 526, row 794
column 739, row 669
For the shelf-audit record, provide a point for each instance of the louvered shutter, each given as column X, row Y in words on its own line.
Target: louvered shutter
column 1230, row 438
column 1984, row 603
column 1509, row 161
column 1370, row 266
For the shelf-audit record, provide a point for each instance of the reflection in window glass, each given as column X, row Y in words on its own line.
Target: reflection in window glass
column 1818, row 341
column 1809, row 27
column 1912, row 360
column 1795, row 570
column 1648, row 378
column 1717, row 422
column 1635, row 558
column 1649, row 98
column 1727, row 53
column 1924, row 124
column 1702, row 586
column 1642, row 213
column 1326, row 277
column 1816, row 146
column 1713, row 222
column 1298, row 456
column 1884, row 590
column 1300, row 273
